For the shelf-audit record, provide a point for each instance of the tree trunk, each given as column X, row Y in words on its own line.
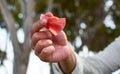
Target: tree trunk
column 21, row 51
column 20, row 66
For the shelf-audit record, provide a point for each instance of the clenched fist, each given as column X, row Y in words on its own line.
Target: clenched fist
column 51, row 47
column 48, row 47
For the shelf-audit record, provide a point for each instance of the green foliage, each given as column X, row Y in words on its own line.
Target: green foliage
column 2, row 57
column 16, row 11
column 116, row 13
column 41, row 5
column 14, row 7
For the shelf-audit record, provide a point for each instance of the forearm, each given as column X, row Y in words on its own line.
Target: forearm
column 68, row 65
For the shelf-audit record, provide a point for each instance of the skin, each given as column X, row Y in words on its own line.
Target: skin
column 50, row 48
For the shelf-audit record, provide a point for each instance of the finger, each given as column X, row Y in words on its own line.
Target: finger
column 46, row 52
column 42, row 44
column 49, row 14
column 60, row 53
column 60, row 39
column 40, row 35
column 37, row 26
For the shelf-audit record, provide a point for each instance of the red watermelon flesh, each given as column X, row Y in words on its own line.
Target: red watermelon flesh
column 54, row 24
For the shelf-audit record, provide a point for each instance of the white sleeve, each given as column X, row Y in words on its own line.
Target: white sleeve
column 105, row 62
column 78, row 68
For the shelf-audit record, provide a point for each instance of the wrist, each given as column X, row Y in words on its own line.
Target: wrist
column 67, row 65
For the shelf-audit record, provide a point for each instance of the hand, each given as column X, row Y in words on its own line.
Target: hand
column 49, row 48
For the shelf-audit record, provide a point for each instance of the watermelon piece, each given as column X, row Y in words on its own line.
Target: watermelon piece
column 54, row 24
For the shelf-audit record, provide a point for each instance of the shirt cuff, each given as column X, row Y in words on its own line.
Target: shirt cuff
column 77, row 70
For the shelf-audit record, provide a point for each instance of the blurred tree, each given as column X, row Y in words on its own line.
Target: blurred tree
column 90, row 14
column 85, row 20
column 10, row 11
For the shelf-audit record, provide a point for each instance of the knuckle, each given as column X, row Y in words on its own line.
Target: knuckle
column 35, row 36
column 44, row 42
column 44, row 51
column 40, row 43
column 48, row 34
column 49, row 41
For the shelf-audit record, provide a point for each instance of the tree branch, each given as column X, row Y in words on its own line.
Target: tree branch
column 10, row 24
column 99, row 16
column 50, row 3
column 28, row 21
column 24, row 9
column 99, row 21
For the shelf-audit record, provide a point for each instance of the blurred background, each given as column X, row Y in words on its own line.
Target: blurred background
column 91, row 26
